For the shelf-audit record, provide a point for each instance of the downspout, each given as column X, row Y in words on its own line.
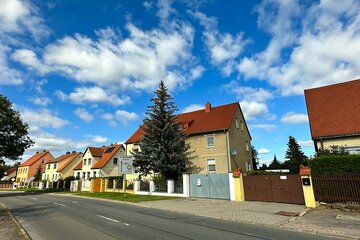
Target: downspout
column 228, row 150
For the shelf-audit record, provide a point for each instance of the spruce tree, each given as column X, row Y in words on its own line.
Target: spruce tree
column 163, row 147
column 38, row 174
column 275, row 164
column 295, row 156
column 255, row 157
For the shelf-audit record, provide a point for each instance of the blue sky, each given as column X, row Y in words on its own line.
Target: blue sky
column 82, row 72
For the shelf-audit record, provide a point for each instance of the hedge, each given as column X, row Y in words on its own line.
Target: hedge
column 335, row 165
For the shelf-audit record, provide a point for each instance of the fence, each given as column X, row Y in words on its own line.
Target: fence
column 337, row 188
column 6, row 185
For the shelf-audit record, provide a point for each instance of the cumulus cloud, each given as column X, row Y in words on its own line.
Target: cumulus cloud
column 252, row 109
column 306, row 143
column 124, row 116
column 41, row 118
column 223, row 48
column 95, row 94
column 311, row 45
column 248, row 93
column 84, row 115
column 263, row 151
column 266, row 127
column 193, row 107
column 41, row 101
column 137, row 62
column 294, row 118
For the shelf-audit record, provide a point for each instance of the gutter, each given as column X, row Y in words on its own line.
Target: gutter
column 228, row 149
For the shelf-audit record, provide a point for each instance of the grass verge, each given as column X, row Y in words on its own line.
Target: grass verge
column 124, row 197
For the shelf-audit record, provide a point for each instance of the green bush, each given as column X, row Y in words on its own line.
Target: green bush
column 335, row 165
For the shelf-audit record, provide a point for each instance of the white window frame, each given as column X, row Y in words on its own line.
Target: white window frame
column 242, row 125
column 207, row 141
column 89, row 161
column 212, row 162
column 237, row 123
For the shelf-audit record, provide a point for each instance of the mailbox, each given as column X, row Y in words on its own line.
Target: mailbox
column 306, row 181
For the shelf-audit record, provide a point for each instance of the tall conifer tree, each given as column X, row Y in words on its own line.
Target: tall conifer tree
column 295, row 156
column 163, row 147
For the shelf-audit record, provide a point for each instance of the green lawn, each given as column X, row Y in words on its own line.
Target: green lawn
column 125, row 197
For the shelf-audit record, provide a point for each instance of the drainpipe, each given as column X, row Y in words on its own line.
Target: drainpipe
column 228, row 149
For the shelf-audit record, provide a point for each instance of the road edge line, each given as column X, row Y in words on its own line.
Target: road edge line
column 20, row 227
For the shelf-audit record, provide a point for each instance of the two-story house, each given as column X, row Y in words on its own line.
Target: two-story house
column 219, row 139
column 61, row 167
column 100, row 161
column 27, row 170
column 334, row 115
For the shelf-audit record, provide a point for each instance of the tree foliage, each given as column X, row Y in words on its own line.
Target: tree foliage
column 163, row 147
column 295, row 156
column 275, row 164
column 13, row 132
column 38, row 174
column 255, row 157
column 331, row 151
column 335, row 165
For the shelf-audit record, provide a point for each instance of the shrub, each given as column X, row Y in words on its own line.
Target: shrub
column 335, row 165
column 67, row 181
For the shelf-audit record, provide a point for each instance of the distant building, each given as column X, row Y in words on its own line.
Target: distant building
column 26, row 171
column 9, row 174
column 334, row 115
column 218, row 136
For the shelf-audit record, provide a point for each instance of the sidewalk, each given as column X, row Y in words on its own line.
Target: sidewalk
column 8, row 229
column 322, row 220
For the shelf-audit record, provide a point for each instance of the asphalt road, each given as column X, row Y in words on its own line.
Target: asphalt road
column 46, row 216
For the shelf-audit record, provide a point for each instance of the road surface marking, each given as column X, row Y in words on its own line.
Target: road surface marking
column 74, row 202
column 59, row 204
column 34, row 198
column 107, row 218
column 126, row 224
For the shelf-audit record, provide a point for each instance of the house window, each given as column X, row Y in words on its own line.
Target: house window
column 43, row 161
column 247, row 166
column 211, row 165
column 78, row 175
column 83, row 175
column 88, row 175
column 89, row 161
column 247, row 146
column 237, row 122
column 242, row 125
column 54, row 166
column 115, row 161
column 210, row 141
column 94, row 174
column 84, row 162
column 49, row 165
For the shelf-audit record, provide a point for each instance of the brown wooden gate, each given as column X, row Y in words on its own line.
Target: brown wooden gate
column 274, row 188
column 96, row 185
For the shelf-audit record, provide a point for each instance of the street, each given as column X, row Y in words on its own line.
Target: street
column 46, row 216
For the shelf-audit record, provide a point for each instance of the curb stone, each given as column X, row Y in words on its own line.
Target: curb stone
column 22, row 230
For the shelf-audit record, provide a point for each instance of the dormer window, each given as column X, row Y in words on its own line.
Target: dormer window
column 210, row 141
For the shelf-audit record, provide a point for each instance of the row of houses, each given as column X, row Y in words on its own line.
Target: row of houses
column 218, row 136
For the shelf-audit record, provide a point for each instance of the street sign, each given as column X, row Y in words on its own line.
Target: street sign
column 125, row 166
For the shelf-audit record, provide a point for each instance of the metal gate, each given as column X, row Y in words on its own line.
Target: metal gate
column 274, row 188
column 210, row 186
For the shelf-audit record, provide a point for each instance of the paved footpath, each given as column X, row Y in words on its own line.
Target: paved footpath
column 8, row 229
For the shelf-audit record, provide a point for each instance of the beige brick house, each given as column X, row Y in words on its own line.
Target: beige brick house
column 218, row 136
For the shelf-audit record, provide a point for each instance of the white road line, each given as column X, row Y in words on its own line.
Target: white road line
column 34, row 198
column 126, row 224
column 107, row 218
column 59, row 204
column 74, row 202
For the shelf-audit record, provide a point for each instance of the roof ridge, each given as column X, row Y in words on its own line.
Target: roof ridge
column 333, row 85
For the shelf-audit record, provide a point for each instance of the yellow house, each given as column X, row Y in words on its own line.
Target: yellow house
column 61, row 167
column 218, row 137
column 100, row 162
column 334, row 115
column 27, row 169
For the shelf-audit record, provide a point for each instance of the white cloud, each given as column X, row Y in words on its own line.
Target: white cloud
column 61, row 95
column 137, row 62
column 84, row 115
column 107, row 116
column 266, row 127
column 98, row 139
column 263, row 151
column 8, row 76
column 306, row 143
column 28, row 58
column 41, row 101
column 41, row 118
column 253, row 109
column 311, row 45
column 193, row 107
column 294, row 118
column 248, row 93
column 148, row 5
column 93, row 94
column 125, row 117
column 223, row 48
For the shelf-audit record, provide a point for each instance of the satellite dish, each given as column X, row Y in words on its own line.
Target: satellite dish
column 233, row 152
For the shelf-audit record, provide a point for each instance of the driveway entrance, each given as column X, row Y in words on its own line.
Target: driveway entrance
column 210, row 186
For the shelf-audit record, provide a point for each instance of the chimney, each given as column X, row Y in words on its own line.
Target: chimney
column 37, row 152
column 207, row 107
column 73, row 151
column 67, row 152
column 44, row 150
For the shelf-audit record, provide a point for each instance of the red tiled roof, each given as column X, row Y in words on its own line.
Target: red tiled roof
column 10, row 171
column 33, row 159
column 79, row 166
column 66, row 159
column 219, row 118
column 105, row 158
column 334, row 110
